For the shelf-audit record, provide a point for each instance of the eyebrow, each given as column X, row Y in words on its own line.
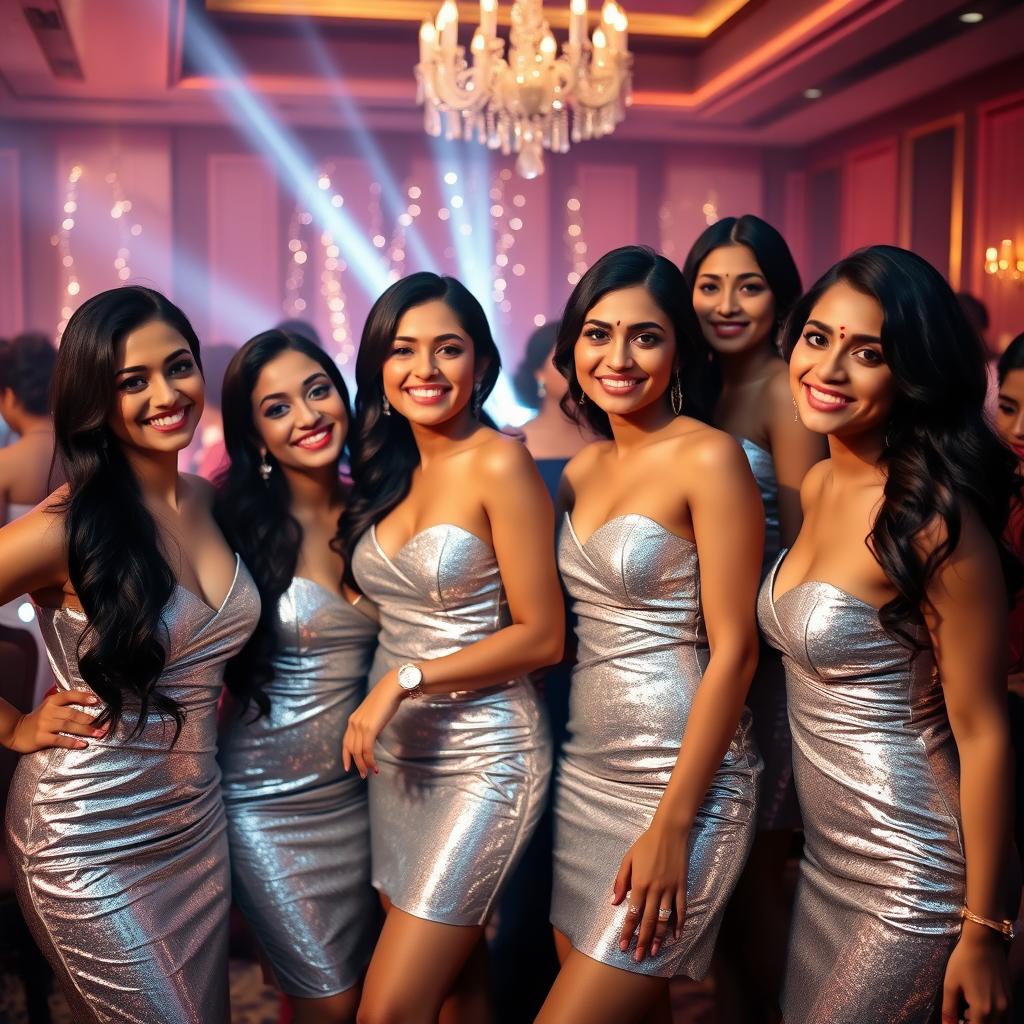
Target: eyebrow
column 646, row 325
column 440, row 337
column 142, row 369
column 853, row 337
column 305, row 384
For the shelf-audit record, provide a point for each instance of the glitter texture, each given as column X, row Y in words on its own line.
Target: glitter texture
column 119, row 849
column 464, row 775
column 882, row 880
column 642, row 651
column 298, row 826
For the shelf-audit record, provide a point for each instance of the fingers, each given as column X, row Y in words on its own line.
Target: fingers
column 63, row 697
column 620, row 887
column 680, row 909
column 77, row 723
column 67, row 742
column 634, row 908
column 648, row 925
column 951, row 1005
column 661, row 928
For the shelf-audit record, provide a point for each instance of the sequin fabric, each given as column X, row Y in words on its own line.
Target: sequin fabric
column 881, row 883
column 463, row 775
column 642, row 650
column 119, row 850
column 298, row 825
column 777, row 807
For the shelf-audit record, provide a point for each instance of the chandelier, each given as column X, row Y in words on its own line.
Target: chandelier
column 521, row 103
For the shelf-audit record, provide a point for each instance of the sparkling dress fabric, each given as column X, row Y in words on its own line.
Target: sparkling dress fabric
column 119, row 850
column 642, row 651
column 463, row 775
column 882, row 880
column 298, row 825
column 777, row 807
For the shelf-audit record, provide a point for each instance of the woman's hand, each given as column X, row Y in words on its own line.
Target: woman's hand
column 367, row 722
column 977, row 985
column 43, row 727
column 653, row 877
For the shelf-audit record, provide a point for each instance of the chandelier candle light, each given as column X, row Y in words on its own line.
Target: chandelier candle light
column 520, row 103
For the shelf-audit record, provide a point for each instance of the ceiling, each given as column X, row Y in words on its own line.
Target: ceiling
column 733, row 71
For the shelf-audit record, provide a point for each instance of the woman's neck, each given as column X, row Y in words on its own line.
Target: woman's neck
column 751, row 364
column 632, row 432
column 856, row 460
column 313, row 491
column 157, row 474
column 435, row 442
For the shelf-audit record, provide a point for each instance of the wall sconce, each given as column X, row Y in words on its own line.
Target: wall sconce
column 1006, row 262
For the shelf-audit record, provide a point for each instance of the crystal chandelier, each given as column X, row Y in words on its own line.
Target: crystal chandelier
column 520, row 103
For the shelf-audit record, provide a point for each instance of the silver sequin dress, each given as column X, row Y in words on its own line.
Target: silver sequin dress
column 777, row 806
column 882, row 879
column 642, row 651
column 119, row 850
column 298, row 826
column 463, row 775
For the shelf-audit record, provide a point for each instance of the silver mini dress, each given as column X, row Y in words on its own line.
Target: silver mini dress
column 298, row 826
column 119, row 850
column 463, row 775
column 777, row 806
column 882, row 879
column 642, row 651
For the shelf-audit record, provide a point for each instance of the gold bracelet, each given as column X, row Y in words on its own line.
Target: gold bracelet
column 1004, row 927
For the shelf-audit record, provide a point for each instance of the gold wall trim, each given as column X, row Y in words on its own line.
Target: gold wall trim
column 707, row 20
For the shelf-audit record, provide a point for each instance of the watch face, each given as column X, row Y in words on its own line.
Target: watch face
column 409, row 677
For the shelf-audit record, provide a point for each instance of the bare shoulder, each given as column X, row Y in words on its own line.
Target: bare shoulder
column 974, row 540
column 585, row 460
column 700, row 448
column 44, row 526
column 814, row 482
column 500, row 457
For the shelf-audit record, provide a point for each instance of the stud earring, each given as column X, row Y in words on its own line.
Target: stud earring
column 386, row 406
column 264, row 469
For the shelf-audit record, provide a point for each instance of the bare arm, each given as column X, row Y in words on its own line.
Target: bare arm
column 33, row 557
column 794, row 451
column 967, row 623
column 522, row 531
column 728, row 523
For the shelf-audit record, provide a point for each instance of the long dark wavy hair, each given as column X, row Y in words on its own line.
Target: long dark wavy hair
column 940, row 450
column 255, row 516
column 384, row 453
column 627, row 267
column 115, row 564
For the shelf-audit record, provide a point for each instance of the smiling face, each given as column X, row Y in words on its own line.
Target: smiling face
column 159, row 390
column 838, row 375
column 1010, row 411
column 298, row 414
column 625, row 354
column 732, row 300
column 429, row 374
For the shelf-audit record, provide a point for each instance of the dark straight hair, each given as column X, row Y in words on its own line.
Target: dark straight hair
column 384, row 452
column 940, row 450
column 769, row 249
column 115, row 564
column 1012, row 358
column 628, row 267
column 255, row 515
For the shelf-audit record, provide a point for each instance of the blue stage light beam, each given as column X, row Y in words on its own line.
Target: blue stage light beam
column 392, row 194
column 296, row 167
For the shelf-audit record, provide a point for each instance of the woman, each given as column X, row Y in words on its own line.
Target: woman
column 298, row 826
column 118, row 844
column 551, row 437
column 448, row 531
column 744, row 282
column 660, row 551
column 890, row 612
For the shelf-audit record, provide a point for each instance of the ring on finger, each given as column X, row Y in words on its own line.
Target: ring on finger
column 664, row 913
column 634, row 910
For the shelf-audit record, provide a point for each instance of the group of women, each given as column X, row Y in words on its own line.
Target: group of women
column 389, row 627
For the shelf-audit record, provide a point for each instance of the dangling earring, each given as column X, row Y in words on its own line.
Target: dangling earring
column 796, row 412
column 583, row 398
column 542, row 388
column 675, row 394
column 264, row 469
column 386, row 406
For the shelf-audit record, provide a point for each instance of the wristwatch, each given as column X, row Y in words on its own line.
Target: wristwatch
column 409, row 679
